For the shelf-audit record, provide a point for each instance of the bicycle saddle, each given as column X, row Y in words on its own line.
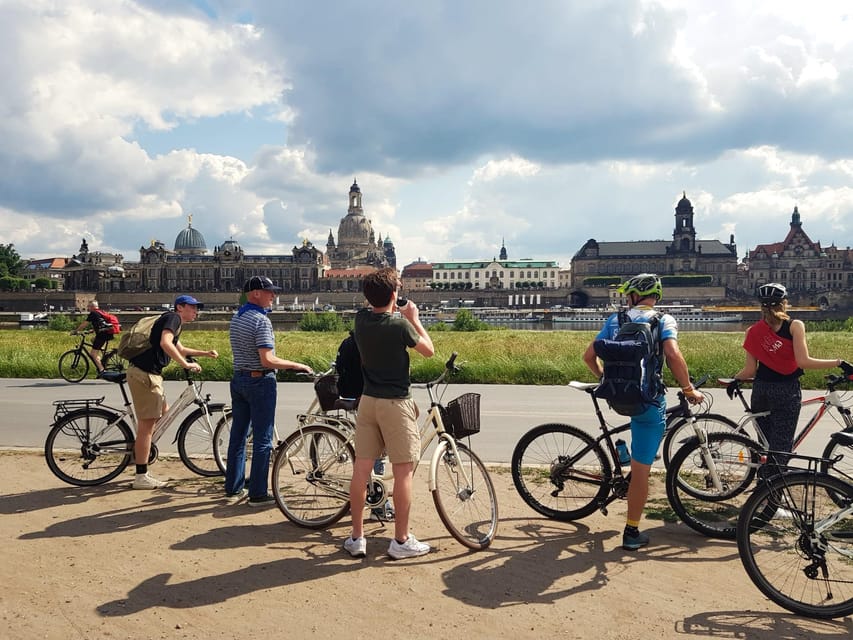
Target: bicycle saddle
column 346, row 404
column 113, row 376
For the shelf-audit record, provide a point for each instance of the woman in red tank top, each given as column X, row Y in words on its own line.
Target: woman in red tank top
column 776, row 354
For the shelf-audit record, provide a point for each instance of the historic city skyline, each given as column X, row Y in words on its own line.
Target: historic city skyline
column 464, row 126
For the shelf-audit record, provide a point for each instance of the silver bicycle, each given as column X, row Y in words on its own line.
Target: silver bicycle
column 313, row 467
column 91, row 442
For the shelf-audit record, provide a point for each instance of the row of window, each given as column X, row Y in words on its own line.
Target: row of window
column 442, row 275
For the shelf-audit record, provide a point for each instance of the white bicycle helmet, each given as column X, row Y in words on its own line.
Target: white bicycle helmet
column 772, row 293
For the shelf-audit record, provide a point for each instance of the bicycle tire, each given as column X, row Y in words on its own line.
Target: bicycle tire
column 780, row 550
column 73, row 365
column 112, row 361
column 844, row 467
column 469, row 510
column 196, row 437
column 85, row 448
column 313, row 494
column 554, row 458
column 690, row 489
column 681, row 430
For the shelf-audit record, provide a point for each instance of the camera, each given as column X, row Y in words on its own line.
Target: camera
column 402, row 302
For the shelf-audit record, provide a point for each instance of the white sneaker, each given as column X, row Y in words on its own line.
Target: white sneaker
column 411, row 548
column 145, row 481
column 357, row 548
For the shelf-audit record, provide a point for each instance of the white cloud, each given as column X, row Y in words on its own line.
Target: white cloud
column 463, row 125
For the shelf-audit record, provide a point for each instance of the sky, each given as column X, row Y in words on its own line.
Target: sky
column 467, row 124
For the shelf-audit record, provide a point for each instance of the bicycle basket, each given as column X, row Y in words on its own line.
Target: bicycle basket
column 326, row 388
column 464, row 415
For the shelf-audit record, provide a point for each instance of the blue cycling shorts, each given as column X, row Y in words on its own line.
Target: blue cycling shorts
column 647, row 432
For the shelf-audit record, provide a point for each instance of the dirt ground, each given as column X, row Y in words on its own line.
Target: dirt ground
column 107, row 562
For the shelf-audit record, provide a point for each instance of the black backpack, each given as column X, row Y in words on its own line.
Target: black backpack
column 348, row 365
column 632, row 360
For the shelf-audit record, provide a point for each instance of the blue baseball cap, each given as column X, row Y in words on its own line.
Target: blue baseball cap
column 188, row 300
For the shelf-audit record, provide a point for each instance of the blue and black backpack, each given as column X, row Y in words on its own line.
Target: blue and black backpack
column 633, row 361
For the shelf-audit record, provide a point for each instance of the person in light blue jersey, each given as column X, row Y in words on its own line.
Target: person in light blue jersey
column 643, row 292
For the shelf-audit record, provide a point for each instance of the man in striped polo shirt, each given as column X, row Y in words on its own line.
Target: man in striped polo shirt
column 253, row 391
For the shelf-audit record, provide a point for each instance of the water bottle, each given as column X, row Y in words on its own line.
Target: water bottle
column 622, row 451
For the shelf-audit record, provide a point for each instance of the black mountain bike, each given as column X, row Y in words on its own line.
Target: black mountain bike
column 74, row 364
column 795, row 537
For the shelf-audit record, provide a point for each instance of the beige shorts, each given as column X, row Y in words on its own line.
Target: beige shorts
column 146, row 390
column 387, row 425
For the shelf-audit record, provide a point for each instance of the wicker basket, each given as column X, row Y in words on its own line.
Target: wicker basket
column 464, row 415
column 326, row 388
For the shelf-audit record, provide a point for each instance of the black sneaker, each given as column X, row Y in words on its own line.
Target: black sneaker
column 261, row 501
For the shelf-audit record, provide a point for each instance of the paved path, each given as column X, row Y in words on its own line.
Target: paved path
column 507, row 411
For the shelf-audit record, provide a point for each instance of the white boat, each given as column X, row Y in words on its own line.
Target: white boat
column 32, row 318
column 683, row 314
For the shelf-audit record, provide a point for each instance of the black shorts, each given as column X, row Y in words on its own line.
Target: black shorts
column 101, row 338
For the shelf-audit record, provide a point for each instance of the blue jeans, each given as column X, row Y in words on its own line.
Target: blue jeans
column 252, row 404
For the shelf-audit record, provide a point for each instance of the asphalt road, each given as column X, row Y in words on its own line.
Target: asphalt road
column 507, row 411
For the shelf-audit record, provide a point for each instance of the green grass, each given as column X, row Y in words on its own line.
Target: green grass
column 489, row 357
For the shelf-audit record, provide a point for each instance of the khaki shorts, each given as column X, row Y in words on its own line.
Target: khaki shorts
column 146, row 390
column 388, row 425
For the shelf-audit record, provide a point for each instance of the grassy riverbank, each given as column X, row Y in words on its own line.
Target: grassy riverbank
column 490, row 357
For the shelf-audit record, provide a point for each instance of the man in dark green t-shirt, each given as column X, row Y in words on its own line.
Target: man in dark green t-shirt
column 387, row 415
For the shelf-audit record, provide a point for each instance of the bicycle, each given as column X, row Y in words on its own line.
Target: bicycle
column 566, row 474
column 326, row 405
column 795, row 538
column 74, row 364
column 313, row 467
column 90, row 442
column 706, row 480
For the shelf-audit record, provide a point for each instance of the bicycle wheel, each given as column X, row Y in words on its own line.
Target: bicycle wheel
column 88, row 447
column 313, row 494
column 464, row 496
column 796, row 543
column 112, row 361
column 690, row 486
column 844, row 467
column 73, row 365
column 560, row 471
column 682, row 429
column 196, row 439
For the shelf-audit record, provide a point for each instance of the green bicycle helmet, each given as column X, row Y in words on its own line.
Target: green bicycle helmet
column 644, row 285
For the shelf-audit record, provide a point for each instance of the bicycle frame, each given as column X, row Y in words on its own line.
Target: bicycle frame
column 347, row 428
column 832, row 398
column 190, row 395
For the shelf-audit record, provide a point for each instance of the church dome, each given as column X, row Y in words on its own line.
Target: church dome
column 190, row 240
column 355, row 228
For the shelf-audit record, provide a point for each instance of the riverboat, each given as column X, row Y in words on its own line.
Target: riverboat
column 683, row 314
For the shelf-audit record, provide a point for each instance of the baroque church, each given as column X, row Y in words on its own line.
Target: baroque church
column 357, row 245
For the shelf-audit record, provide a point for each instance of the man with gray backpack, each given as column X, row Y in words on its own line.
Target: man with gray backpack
column 627, row 355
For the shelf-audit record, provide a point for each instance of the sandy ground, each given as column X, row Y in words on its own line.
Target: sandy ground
column 107, row 562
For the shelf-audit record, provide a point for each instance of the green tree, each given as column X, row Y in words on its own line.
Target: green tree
column 465, row 321
column 42, row 283
column 10, row 262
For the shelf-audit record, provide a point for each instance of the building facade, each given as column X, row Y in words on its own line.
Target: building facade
column 803, row 266
column 189, row 266
column 683, row 255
